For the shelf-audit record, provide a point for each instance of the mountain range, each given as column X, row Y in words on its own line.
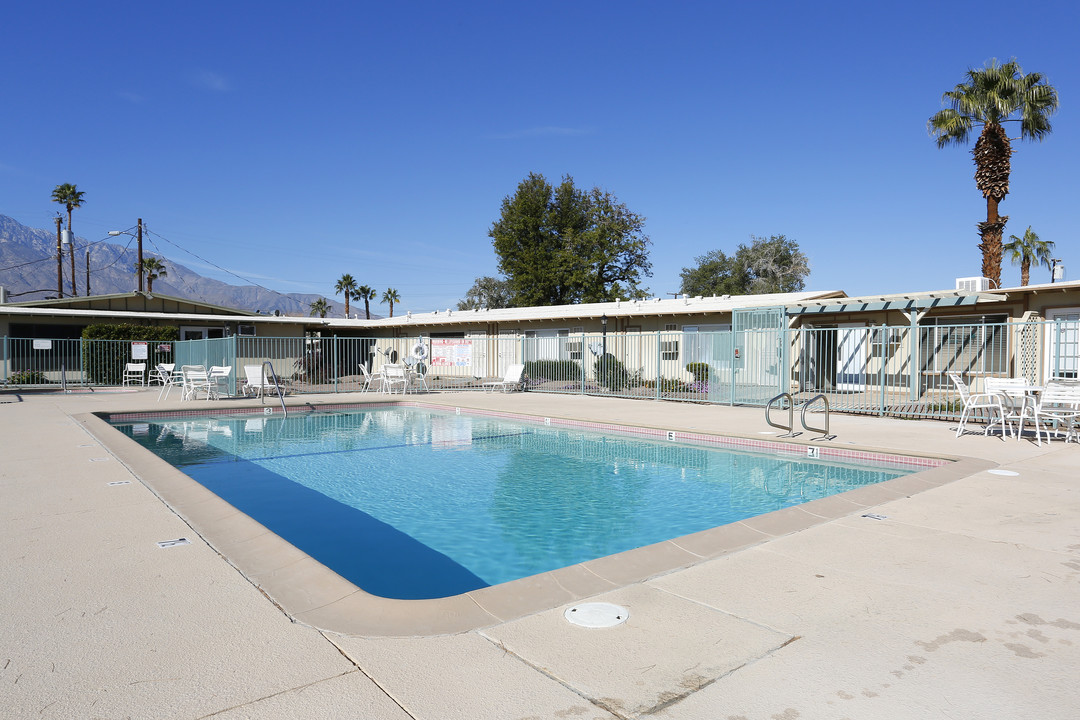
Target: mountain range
column 28, row 272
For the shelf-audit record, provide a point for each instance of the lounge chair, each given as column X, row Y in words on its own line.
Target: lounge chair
column 255, row 383
column 512, row 380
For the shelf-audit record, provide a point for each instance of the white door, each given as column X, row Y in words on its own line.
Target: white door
column 851, row 343
column 1062, row 344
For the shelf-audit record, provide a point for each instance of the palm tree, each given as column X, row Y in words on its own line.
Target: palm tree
column 320, row 307
column 346, row 284
column 153, row 269
column 1027, row 250
column 366, row 294
column 991, row 96
column 391, row 296
column 70, row 197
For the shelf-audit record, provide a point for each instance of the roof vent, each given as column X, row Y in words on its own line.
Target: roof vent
column 973, row 284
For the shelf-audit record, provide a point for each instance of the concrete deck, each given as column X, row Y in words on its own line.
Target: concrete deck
column 962, row 603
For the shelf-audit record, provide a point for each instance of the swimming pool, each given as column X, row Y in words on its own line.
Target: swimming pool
column 412, row 503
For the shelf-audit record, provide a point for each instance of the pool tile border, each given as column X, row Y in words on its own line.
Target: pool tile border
column 311, row 593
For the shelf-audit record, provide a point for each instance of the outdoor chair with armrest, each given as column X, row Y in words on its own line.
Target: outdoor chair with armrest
column 393, row 376
column 195, row 379
column 1014, row 396
column 134, row 374
column 989, row 402
column 218, row 382
column 1058, row 404
column 256, row 383
column 367, row 378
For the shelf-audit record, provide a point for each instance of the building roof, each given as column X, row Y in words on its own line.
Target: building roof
column 128, row 302
column 642, row 307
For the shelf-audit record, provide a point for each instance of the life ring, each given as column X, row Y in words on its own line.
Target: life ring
column 419, row 350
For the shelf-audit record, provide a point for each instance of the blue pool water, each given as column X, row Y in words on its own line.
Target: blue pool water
column 412, row 503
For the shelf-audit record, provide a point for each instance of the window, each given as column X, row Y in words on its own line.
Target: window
column 967, row 345
column 669, row 345
column 248, row 330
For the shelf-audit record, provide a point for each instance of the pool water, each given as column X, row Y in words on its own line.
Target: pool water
column 413, row 503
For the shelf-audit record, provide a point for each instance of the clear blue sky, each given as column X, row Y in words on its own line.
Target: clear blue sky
column 293, row 142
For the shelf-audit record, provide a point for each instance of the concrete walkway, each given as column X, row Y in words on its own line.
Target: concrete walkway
column 964, row 602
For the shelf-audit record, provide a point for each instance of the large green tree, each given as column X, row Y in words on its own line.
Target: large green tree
column 773, row 265
column 367, row 294
column 990, row 97
column 346, row 285
column 561, row 245
column 70, row 197
column 391, row 296
column 486, row 292
column 1028, row 250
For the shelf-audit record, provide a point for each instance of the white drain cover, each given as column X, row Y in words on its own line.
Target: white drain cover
column 1006, row 473
column 597, row 615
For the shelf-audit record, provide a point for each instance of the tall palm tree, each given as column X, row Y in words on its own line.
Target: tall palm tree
column 152, row 268
column 366, row 294
column 993, row 95
column 346, row 284
column 70, row 197
column 320, row 307
column 1027, row 250
column 391, row 296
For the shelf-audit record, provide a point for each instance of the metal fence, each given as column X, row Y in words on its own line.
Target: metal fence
column 900, row 371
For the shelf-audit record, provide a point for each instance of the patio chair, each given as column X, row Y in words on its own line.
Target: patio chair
column 394, row 376
column 161, row 374
column 367, row 378
column 170, row 377
column 1058, row 404
column 513, row 379
column 218, row 382
column 978, row 401
column 134, row 374
column 255, row 383
column 195, row 379
column 1013, row 393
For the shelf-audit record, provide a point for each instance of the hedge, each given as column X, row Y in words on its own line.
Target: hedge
column 103, row 362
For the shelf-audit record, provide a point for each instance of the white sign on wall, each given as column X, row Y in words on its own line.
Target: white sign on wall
column 43, row 344
column 139, row 351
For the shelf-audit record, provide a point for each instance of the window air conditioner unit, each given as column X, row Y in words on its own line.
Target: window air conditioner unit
column 973, row 284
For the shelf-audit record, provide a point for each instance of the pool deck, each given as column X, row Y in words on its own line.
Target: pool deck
column 963, row 602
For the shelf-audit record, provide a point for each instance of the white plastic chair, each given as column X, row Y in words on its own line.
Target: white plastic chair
column 256, row 384
column 134, row 374
column 368, row 378
column 978, row 401
column 218, row 382
column 394, row 376
column 195, row 379
column 511, row 380
column 1013, row 394
column 1058, row 404
column 161, row 374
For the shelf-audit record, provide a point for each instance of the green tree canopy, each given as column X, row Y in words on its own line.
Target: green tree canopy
column 320, row 307
column 346, row 285
column 992, row 96
column 391, row 296
column 561, row 245
column 773, row 265
column 367, row 294
column 486, row 292
column 1027, row 251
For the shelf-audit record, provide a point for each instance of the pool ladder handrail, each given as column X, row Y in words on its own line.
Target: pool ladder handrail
column 825, row 430
column 802, row 417
column 277, row 386
column 791, row 415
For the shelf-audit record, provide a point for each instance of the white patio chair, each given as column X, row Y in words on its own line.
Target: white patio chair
column 394, row 376
column 256, row 384
column 368, row 378
column 511, row 380
column 1014, row 395
column 170, row 377
column 161, row 373
column 134, row 374
column 195, row 379
column 218, row 382
column 1058, row 405
column 989, row 402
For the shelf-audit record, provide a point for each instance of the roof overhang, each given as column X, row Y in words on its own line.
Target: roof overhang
column 903, row 303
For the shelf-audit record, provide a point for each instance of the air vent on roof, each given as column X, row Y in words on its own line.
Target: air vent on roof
column 973, row 284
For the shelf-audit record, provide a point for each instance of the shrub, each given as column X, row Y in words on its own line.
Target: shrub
column 27, row 377
column 699, row 370
column 611, row 373
column 104, row 361
column 567, row 370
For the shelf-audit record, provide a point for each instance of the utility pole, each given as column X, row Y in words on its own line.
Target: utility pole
column 59, row 260
column 87, row 272
column 71, row 247
column 139, row 231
